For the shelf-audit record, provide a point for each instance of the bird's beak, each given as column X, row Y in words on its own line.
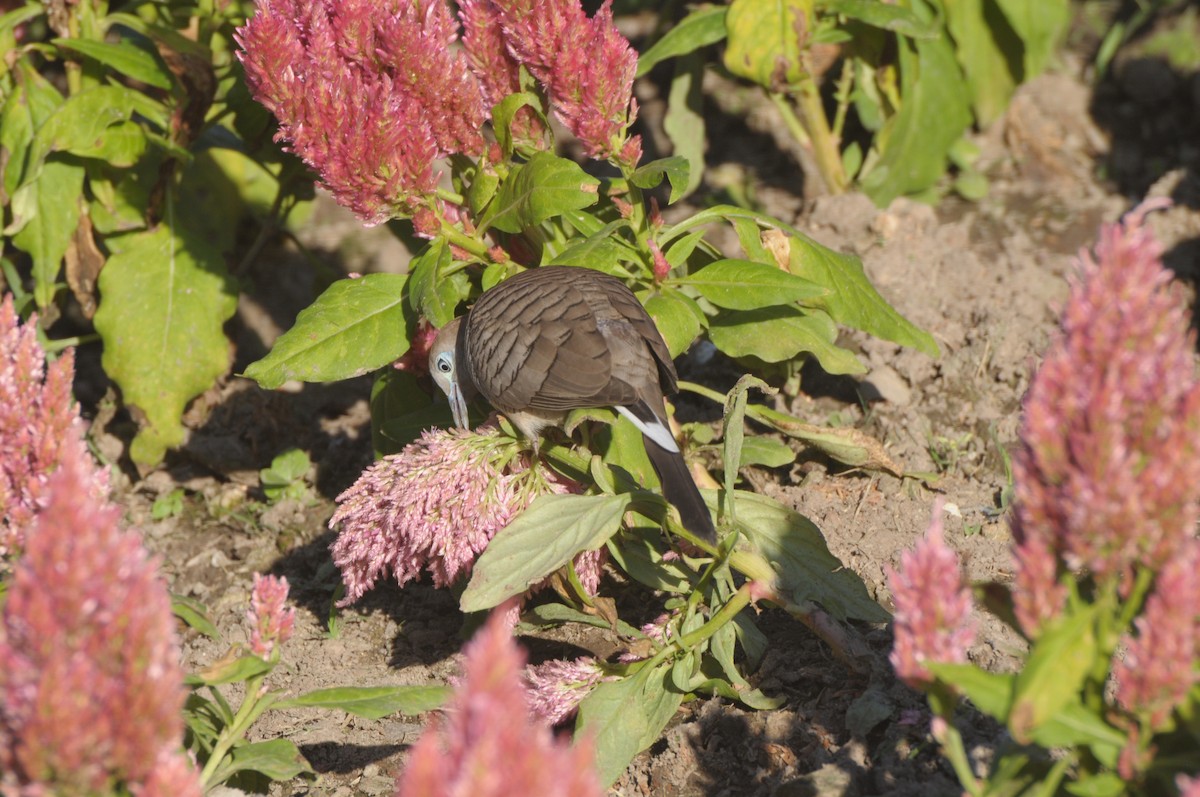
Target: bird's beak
column 458, row 405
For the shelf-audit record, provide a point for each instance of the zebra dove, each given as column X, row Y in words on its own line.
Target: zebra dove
column 558, row 338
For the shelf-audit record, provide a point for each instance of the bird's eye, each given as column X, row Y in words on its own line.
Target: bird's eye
column 443, row 363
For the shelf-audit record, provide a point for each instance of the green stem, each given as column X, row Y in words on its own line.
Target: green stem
column 845, row 88
column 449, row 196
column 253, row 705
column 56, row 345
column 463, row 241
column 942, row 703
column 739, row 601
column 817, row 134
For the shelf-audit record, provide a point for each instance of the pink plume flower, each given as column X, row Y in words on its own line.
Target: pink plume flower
column 369, row 95
column 435, row 506
column 1159, row 669
column 488, row 744
column 271, row 620
column 91, row 689
column 1188, row 786
column 497, row 71
column 1109, row 472
column 556, row 688
column 38, row 423
column 933, row 607
column 586, row 66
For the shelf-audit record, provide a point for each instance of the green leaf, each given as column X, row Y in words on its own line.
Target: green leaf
column 164, row 297
column 675, row 169
column 934, row 112
column 684, row 120
column 1057, row 666
column 434, row 295
column 766, row 451
column 194, row 614
column 702, row 27
column 805, row 569
column 49, row 208
column 746, row 285
column 987, row 53
column 354, row 327
column 678, row 318
column 602, row 250
column 991, row 692
column 545, row 187
column 625, row 717
column 1040, row 25
column 278, row 759
column 763, row 43
column 1101, row 784
column 123, row 56
column 77, row 124
column 558, row 613
column 506, row 110
column 539, row 541
column 777, row 334
column 852, row 299
column 639, row 557
column 32, row 101
column 1075, row 725
column 373, row 702
column 884, row 16
column 230, row 670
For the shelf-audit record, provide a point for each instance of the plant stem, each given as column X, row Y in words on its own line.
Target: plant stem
column 727, row 612
column 463, row 241
column 253, row 705
column 951, row 741
column 845, row 87
column 815, row 131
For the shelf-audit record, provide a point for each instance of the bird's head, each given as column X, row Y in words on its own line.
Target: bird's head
column 443, row 365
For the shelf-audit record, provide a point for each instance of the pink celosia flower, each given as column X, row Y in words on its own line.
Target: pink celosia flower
column 91, row 690
column 38, row 421
column 1188, row 786
column 1037, row 594
column 271, row 620
column 435, row 506
column 933, row 607
column 487, row 744
column 367, row 94
column 1109, row 472
column 1158, row 670
column 497, row 71
column 556, row 688
column 586, row 65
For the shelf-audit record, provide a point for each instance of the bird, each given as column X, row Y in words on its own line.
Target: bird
column 556, row 338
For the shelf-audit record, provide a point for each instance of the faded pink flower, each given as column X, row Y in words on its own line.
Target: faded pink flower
column 271, row 620
column 1037, row 594
column 487, row 744
column 586, row 66
column 557, row 687
column 91, row 689
column 1159, row 669
column 933, row 607
column 495, row 68
column 369, row 95
column 435, row 506
column 1109, row 472
column 38, row 422
column 1188, row 786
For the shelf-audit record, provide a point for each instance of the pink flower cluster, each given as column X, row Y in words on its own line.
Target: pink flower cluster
column 435, row 506
column 557, row 687
column 271, row 620
column 488, row 744
column 91, row 689
column 38, row 423
column 369, row 94
column 1109, row 472
column 933, row 607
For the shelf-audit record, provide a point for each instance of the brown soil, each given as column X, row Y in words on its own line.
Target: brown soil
column 983, row 278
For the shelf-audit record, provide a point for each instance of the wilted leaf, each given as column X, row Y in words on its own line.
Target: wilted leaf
column 766, row 38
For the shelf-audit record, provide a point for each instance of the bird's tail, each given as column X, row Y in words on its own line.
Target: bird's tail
column 680, row 490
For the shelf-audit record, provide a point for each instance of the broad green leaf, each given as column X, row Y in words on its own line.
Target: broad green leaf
column 1101, row 784
column 194, row 614
column 123, row 56
column 31, row 102
column 603, row 250
column 852, row 299
column 121, row 145
column 164, row 296
column 805, row 569
column 885, row 16
column 230, row 670
column 539, row 541
column 986, row 53
column 684, row 120
column 682, row 248
column 49, row 208
column 120, row 197
column 766, row 451
column 1040, row 25
column 991, row 692
column 558, row 613
column 1075, row 725
column 354, row 327
column 504, row 112
column 433, row 294
column 401, row 410
column 545, row 187
column 674, row 168
column 641, row 560
column 76, row 125
column 623, row 718
column 278, row 759
column 777, row 334
column 746, row 285
column 372, row 702
column 764, row 40
column 702, row 27
column 678, row 318
column 934, row 112
column 1056, row 669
